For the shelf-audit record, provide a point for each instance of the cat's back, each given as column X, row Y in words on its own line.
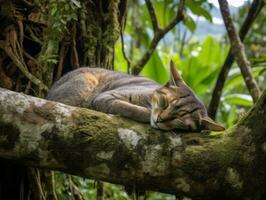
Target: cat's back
column 85, row 83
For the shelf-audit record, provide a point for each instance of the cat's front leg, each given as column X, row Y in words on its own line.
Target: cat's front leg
column 109, row 103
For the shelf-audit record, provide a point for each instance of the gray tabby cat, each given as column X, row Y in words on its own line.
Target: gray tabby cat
column 172, row 106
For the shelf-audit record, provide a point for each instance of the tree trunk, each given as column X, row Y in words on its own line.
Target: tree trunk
column 87, row 143
column 41, row 40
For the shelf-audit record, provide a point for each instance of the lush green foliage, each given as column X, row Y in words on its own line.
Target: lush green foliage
column 60, row 14
column 199, row 61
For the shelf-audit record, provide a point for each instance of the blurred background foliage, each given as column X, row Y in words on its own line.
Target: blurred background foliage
column 198, row 46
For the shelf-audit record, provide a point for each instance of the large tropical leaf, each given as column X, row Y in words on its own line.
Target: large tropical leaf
column 155, row 69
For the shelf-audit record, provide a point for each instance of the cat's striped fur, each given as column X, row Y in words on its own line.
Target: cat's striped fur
column 173, row 106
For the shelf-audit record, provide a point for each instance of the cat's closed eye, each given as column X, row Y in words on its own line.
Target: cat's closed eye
column 162, row 102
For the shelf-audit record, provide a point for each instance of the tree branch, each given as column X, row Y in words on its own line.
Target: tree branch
column 158, row 33
column 253, row 12
column 238, row 51
column 124, row 51
column 153, row 16
column 87, row 143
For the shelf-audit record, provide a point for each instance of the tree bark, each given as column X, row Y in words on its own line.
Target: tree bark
column 50, row 135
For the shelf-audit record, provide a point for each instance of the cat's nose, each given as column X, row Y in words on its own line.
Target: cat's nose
column 159, row 119
column 163, row 118
column 190, row 124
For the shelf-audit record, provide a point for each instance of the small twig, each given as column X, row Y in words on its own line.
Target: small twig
column 5, row 81
column 74, row 53
column 18, row 83
column 35, row 183
column 75, row 192
column 21, row 32
column 100, row 191
column 28, row 87
column 48, row 179
column 123, row 10
column 238, row 51
column 62, row 54
column 158, row 34
column 83, row 28
column 33, row 37
column 253, row 12
column 182, row 45
column 29, row 4
column 124, row 52
column 122, row 21
column 152, row 15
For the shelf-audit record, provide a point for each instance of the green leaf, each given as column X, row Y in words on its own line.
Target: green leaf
column 232, row 116
column 189, row 23
column 120, row 62
column 235, row 77
column 155, row 69
column 210, row 77
column 164, row 11
column 210, row 54
column 53, row 11
column 77, row 3
column 239, row 99
column 195, row 7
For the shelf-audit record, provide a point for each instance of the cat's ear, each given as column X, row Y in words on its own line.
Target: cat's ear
column 210, row 125
column 175, row 77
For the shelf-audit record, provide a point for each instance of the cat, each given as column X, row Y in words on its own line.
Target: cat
column 168, row 107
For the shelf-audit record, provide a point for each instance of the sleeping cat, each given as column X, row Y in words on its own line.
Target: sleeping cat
column 168, row 107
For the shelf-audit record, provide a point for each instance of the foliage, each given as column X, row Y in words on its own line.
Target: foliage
column 199, row 62
column 86, row 188
column 60, row 14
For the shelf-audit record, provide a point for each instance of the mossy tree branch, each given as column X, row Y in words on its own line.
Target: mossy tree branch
column 79, row 141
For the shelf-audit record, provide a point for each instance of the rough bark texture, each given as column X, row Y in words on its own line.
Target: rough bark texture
column 90, row 144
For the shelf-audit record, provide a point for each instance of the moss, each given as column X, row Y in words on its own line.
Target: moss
column 102, row 133
column 233, row 178
column 203, row 162
column 84, row 120
column 111, row 32
column 258, row 115
column 100, row 30
column 69, row 152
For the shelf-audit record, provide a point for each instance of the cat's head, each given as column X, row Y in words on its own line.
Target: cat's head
column 175, row 106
